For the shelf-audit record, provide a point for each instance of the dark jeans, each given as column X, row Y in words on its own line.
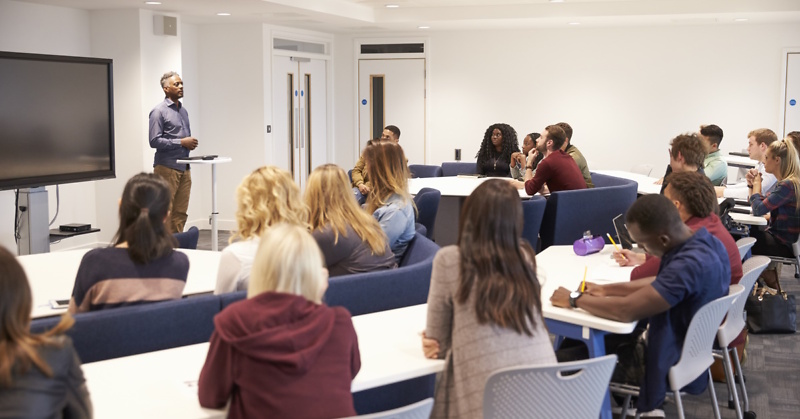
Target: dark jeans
column 768, row 245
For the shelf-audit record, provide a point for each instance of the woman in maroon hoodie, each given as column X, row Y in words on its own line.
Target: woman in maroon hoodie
column 281, row 353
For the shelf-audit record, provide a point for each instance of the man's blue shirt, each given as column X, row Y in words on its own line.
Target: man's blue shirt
column 691, row 275
column 168, row 124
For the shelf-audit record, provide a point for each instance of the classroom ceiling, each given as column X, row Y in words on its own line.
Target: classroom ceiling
column 361, row 16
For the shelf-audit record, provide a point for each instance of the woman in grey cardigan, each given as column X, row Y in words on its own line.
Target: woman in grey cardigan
column 484, row 305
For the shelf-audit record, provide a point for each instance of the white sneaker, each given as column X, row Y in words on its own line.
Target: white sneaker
column 655, row 413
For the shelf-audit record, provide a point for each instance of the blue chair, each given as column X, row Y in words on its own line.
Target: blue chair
column 569, row 213
column 124, row 331
column 532, row 213
column 423, row 170
column 427, row 202
column 387, row 289
column 188, row 239
column 230, row 298
column 458, row 168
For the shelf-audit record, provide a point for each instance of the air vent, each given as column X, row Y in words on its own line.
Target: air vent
column 392, row 48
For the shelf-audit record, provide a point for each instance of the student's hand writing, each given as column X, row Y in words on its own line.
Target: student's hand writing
column 595, row 289
column 430, row 347
column 625, row 257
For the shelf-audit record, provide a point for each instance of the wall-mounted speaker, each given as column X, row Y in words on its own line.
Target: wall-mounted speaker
column 165, row 25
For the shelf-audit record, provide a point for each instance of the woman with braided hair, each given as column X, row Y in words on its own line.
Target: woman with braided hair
column 494, row 156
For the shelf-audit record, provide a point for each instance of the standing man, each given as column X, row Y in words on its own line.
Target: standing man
column 714, row 167
column 171, row 136
column 576, row 154
column 556, row 172
column 361, row 183
column 757, row 142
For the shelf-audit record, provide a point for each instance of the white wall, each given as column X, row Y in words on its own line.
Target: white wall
column 33, row 28
column 626, row 91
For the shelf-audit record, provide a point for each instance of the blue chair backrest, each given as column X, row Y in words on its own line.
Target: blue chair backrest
column 423, row 170
column 388, row 289
column 427, row 202
column 124, row 331
column 188, row 239
column 569, row 213
column 532, row 213
column 455, row 168
column 231, row 297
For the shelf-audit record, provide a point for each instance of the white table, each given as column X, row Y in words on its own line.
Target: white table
column 214, row 162
column 646, row 184
column 454, row 190
column 52, row 276
column 163, row 384
column 739, row 161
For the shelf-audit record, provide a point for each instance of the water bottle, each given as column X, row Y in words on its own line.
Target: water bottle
column 588, row 244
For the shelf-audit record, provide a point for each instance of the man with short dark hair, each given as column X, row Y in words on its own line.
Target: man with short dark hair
column 556, row 172
column 360, row 179
column 713, row 166
column 171, row 136
column 576, row 154
column 694, row 271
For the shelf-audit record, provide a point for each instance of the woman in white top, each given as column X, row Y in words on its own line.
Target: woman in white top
column 265, row 197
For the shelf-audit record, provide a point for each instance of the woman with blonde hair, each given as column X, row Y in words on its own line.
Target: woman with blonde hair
column 781, row 202
column 40, row 375
column 389, row 201
column 265, row 197
column 282, row 352
column 350, row 239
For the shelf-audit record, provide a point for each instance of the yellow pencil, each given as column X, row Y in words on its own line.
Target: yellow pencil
column 583, row 285
column 615, row 246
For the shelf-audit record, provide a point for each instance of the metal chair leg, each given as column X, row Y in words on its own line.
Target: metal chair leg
column 738, row 366
column 712, row 393
column 726, row 363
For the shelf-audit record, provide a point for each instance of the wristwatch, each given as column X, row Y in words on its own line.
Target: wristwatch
column 573, row 298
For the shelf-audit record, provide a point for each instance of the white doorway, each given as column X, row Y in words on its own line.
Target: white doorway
column 300, row 108
column 392, row 92
column 791, row 92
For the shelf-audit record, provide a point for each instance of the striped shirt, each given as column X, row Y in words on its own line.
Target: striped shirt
column 108, row 278
column 781, row 204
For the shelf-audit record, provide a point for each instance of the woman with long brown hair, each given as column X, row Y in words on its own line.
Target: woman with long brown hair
column 486, row 285
column 142, row 266
column 389, row 201
column 40, row 375
column 350, row 239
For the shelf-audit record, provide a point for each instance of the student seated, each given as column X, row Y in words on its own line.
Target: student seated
column 780, row 203
column 713, row 166
column 519, row 159
column 40, row 375
column 576, row 154
column 281, row 353
column 694, row 196
column 686, row 154
column 498, row 145
column 266, row 196
column 556, row 172
column 484, row 305
column 694, row 271
column 350, row 239
column 757, row 142
column 360, row 178
column 142, row 266
column 389, row 201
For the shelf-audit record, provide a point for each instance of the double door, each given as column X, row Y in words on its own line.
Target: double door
column 300, row 109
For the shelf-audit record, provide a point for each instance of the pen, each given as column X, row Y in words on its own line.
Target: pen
column 615, row 246
column 583, row 284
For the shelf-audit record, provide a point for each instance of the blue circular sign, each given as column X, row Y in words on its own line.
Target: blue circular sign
column 792, row 102
column 363, row 101
column 302, row 93
column 295, row 92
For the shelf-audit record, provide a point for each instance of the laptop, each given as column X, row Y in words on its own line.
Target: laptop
column 623, row 237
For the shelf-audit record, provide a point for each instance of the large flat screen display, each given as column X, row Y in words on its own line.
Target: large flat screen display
column 56, row 120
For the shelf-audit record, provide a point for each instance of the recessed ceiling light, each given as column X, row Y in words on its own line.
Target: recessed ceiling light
column 574, row 23
column 741, row 19
column 223, row 14
column 154, row 3
column 556, row 1
column 423, row 27
column 392, row 6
